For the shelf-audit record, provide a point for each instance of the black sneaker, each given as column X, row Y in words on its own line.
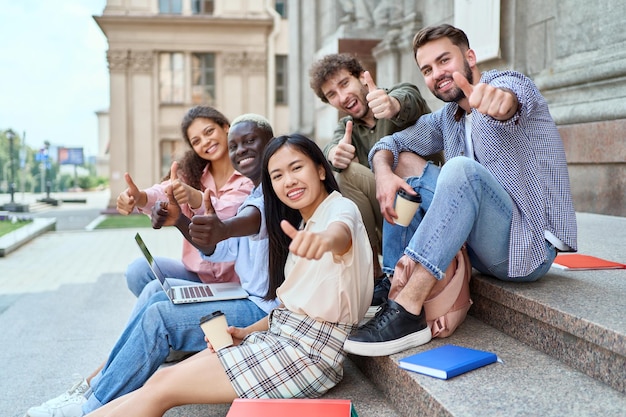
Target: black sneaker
column 392, row 330
column 381, row 291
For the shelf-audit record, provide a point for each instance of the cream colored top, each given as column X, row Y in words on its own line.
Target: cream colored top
column 336, row 289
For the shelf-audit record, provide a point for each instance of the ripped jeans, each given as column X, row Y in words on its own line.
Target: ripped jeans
column 471, row 207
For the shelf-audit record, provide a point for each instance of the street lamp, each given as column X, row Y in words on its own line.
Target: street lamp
column 11, row 136
column 12, row 206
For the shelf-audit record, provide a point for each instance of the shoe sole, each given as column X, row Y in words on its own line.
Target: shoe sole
column 390, row 347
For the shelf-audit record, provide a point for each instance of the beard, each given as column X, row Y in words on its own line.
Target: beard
column 455, row 94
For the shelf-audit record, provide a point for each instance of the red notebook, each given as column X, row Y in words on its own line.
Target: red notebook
column 576, row 261
column 248, row 407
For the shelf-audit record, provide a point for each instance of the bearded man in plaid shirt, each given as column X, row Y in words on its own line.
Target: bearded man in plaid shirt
column 504, row 190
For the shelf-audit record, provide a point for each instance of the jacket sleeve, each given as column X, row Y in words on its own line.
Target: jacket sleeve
column 412, row 104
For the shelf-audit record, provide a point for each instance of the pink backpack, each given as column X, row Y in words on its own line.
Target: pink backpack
column 446, row 310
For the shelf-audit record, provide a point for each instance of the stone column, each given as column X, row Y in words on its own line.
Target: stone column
column 118, row 153
column 131, row 120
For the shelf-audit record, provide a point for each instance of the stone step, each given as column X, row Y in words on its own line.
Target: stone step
column 527, row 383
column 562, row 340
column 39, row 207
column 576, row 317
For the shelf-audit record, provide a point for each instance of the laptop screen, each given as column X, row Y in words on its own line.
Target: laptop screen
column 153, row 266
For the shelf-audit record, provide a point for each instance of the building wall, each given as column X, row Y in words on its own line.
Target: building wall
column 575, row 51
column 102, row 158
column 244, row 36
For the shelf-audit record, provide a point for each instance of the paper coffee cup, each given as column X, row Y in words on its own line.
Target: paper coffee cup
column 214, row 327
column 406, row 206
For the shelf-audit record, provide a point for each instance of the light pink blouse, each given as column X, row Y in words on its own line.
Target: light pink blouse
column 337, row 289
column 225, row 201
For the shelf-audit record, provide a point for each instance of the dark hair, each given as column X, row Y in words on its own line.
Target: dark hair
column 432, row 33
column 191, row 164
column 330, row 65
column 276, row 210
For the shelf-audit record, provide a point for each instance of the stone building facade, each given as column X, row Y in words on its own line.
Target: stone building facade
column 166, row 56
column 574, row 50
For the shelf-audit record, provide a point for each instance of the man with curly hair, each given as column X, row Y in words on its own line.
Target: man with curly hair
column 371, row 113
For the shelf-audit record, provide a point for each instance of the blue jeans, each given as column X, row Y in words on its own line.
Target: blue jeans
column 156, row 326
column 469, row 206
column 138, row 272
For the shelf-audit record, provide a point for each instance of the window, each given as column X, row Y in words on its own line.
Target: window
column 281, row 8
column 202, row 6
column 169, row 149
column 281, row 79
column 171, row 77
column 170, row 6
column 203, row 79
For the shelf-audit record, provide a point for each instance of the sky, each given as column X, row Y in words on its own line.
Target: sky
column 53, row 71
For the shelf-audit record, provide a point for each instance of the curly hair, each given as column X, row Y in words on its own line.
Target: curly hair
column 191, row 165
column 330, row 65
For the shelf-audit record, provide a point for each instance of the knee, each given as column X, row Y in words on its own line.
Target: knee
column 152, row 324
column 410, row 165
column 354, row 174
column 157, row 387
column 457, row 169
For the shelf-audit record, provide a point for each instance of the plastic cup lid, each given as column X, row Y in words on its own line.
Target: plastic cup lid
column 211, row 316
column 414, row 198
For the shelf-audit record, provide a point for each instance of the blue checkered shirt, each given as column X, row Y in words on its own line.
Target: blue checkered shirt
column 524, row 154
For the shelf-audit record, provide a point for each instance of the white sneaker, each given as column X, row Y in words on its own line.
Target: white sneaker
column 68, row 404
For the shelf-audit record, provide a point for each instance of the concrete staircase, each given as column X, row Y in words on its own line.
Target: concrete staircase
column 562, row 342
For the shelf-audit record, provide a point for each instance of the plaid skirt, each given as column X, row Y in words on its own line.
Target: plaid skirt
column 298, row 357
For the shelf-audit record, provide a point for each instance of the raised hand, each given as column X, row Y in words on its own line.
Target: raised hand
column 383, row 106
column 207, row 230
column 165, row 213
column 344, row 153
column 128, row 199
column 305, row 244
column 496, row 102
column 179, row 189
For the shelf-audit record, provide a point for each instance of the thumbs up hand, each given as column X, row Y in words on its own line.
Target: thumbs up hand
column 383, row 106
column 207, row 230
column 208, row 205
column 305, row 244
column 344, row 153
column 178, row 188
column 184, row 193
column 165, row 213
column 501, row 104
column 129, row 198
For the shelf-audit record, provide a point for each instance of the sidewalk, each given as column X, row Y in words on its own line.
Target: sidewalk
column 64, row 301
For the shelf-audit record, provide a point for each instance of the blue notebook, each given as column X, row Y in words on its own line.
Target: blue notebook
column 447, row 361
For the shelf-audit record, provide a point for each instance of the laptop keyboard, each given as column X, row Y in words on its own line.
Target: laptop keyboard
column 196, row 291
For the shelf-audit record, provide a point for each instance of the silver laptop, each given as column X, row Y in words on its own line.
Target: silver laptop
column 192, row 293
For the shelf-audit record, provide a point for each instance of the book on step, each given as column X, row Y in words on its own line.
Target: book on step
column 447, row 361
column 580, row 262
column 298, row 407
